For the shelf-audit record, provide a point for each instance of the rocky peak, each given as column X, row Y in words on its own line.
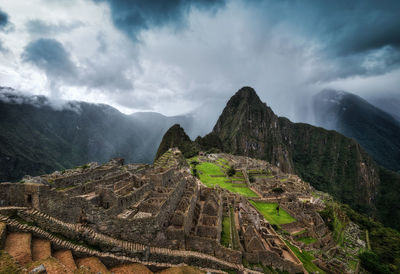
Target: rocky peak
column 175, row 137
column 249, row 127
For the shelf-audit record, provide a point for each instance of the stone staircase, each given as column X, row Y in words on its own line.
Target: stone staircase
column 27, row 243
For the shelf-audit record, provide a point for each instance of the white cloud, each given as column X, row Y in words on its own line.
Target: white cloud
column 174, row 71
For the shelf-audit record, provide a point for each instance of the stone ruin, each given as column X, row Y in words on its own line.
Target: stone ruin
column 163, row 205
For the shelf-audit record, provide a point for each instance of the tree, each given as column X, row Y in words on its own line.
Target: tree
column 278, row 190
column 195, row 173
column 251, row 178
column 231, row 171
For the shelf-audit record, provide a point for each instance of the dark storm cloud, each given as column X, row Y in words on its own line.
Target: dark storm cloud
column 133, row 16
column 348, row 27
column 50, row 56
column 361, row 37
column 43, row 28
column 3, row 20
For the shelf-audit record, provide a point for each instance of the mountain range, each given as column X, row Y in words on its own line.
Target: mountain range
column 376, row 130
column 37, row 137
column 327, row 159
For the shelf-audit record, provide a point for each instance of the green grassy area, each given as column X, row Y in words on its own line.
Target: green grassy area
column 223, row 162
column 235, row 234
column 336, row 221
column 226, row 232
column 299, row 232
column 268, row 210
column 264, row 176
column 306, row 258
column 207, row 170
column 307, row 240
column 8, row 265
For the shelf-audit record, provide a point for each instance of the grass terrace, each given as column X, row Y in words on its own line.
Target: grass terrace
column 226, row 232
column 212, row 175
column 307, row 240
column 306, row 258
column 268, row 210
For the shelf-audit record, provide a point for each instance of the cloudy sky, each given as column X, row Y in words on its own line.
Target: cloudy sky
column 178, row 56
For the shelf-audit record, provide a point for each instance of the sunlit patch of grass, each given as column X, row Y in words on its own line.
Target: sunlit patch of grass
column 207, row 171
column 268, row 210
column 306, row 258
column 307, row 240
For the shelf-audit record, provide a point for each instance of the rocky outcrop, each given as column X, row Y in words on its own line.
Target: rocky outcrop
column 249, row 127
column 330, row 161
column 176, row 137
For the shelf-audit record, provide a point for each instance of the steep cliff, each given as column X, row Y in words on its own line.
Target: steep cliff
column 330, row 161
column 249, row 127
column 354, row 117
column 176, row 137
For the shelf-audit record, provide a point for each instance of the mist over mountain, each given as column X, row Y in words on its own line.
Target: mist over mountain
column 38, row 136
column 389, row 104
column 326, row 159
column 376, row 130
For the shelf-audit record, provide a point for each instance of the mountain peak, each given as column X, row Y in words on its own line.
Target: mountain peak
column 246, row 92
column 244, row 95
column 175, row 137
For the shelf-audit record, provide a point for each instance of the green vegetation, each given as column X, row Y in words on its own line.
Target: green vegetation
column 212, row 175
column 306, row 258
column 223, row 162
column 268, row 210
column 278, row 190
column 176, row 137
column 251, row 178
column 384, row 242
column 235, row 234
column 231, row 171
column 336, row 220
column 299, row 232
column 307, row 240
column 370, row 261
column 226, row 232
column 8, row 265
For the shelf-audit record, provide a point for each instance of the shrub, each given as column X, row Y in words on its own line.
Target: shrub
column 251, row 178
column 195, row 173
column 194, row 163
column 278, row 190
column 370, row 261
column 231, row 171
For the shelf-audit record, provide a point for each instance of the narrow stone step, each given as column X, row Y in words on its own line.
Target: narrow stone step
column 18, row 245
column 41, row 249
column 66, row 258
column 93, row 263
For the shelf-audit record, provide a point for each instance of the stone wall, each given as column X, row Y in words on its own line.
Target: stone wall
column 210, row 246
column 12, row 194
column 79, row 178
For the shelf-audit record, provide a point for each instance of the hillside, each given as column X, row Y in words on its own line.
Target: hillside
column 37, row 137
column 354, row 117
column 326, row 159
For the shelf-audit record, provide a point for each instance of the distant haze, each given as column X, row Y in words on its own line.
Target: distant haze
column 182, row 57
